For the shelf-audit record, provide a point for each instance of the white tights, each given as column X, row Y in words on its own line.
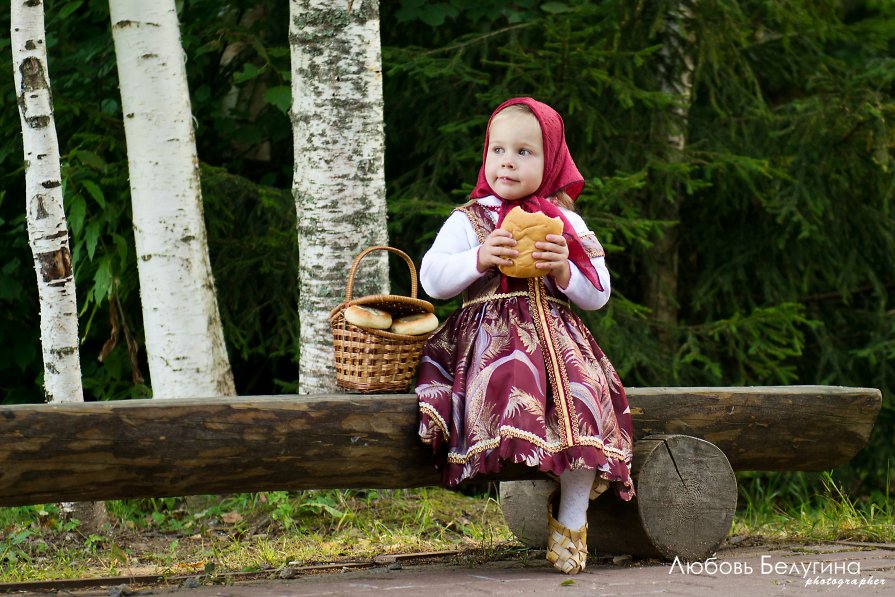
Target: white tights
column 574, row 496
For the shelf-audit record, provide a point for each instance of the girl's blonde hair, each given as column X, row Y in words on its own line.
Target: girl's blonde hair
column 513, row 110
column 561, row 198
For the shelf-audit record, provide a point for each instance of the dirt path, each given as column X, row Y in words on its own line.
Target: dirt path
column 847, row 568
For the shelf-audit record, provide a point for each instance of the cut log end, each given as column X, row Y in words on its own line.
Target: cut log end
column 684, row 508
column 687, row 496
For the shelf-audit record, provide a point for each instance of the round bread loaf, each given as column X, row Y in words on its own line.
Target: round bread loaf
column 368, row 317
column 414, row 325
column 527, row 229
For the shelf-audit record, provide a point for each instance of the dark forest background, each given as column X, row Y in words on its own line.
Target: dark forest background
column 778, row 209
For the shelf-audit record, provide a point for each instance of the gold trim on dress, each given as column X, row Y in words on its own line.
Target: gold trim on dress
column 556, row 372
column 478, row 226
column 505, row 295
column 538, row 300
column 592, row 246
column 550, row 447
column 436, row 418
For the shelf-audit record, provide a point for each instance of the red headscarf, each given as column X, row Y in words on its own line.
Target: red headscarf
column 560, row 174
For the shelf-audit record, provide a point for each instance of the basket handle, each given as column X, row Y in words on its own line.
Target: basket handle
column 350, row 284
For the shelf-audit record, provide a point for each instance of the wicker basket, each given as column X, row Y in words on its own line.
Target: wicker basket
column 371, row 361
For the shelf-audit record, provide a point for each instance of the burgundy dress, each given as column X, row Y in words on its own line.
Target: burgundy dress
column 516, row 376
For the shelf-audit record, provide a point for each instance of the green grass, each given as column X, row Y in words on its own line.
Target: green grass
column 801, row 507
column 247, row 532
column 268, row 531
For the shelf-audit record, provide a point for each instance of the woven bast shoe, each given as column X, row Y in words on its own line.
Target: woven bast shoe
column 566, row 549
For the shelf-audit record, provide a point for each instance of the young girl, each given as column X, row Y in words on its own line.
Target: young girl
column 514, row 375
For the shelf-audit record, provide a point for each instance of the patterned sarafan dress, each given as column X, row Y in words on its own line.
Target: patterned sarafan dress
column 515, row 376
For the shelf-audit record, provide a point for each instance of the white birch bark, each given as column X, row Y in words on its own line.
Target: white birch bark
column 339, row 181
column 47, row 227
column 184, row 336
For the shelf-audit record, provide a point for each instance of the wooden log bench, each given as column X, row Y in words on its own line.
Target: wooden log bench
column 687, row 443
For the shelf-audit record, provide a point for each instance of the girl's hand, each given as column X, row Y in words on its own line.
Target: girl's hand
column 497, row 250
column 553, row 255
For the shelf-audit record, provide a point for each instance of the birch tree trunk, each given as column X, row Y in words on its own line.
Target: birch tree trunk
column 184, row 335
column 339, row 181
column 676, row 68
column 47, row 227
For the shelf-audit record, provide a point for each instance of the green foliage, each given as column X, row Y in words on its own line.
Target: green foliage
column 254, row 256
column 238, row 71
column 247, row 532
column 781, row 198
column 768, row 337
column 436, row 14
column 782, row 193
column 792, row 507
column 263, row 531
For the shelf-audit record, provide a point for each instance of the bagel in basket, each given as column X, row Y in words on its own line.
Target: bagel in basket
column 527, row 229
column 368, row 317
column 414, row 325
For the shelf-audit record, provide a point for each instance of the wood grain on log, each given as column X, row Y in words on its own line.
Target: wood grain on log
column 686, row 499
column 147, row 448
column 764, row 428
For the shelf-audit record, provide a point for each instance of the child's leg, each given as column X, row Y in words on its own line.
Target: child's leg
column 567, row 534
column 574, row 495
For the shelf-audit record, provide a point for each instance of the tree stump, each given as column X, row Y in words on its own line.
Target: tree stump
column 686, row 499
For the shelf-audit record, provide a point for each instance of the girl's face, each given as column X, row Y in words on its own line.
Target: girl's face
column 514, row 164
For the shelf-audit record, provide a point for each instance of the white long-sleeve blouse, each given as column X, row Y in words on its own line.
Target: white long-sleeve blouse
column 451, row 264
